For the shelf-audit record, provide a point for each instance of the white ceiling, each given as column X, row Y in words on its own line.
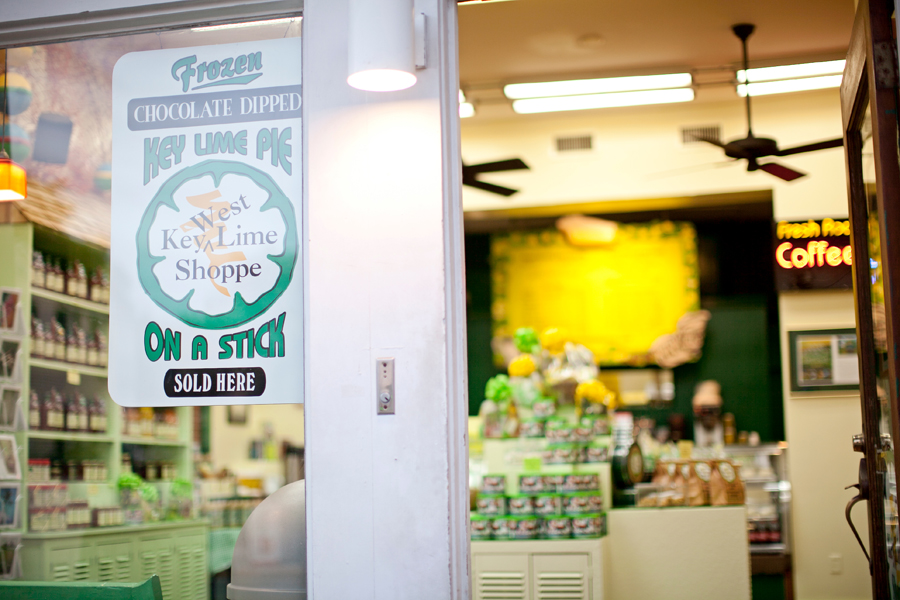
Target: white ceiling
column 540, row 40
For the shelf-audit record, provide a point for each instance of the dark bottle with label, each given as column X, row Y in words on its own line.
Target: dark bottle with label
column 55, row 419
column 35, row 412
column 627, row 458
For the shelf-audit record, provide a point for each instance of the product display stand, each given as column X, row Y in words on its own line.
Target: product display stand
column 120, row 554
column 678, row 553
column 537, row 569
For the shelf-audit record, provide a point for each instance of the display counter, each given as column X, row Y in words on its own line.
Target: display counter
column 177, row 551
column 532, row 569
column 671, row 553
column 678, row 553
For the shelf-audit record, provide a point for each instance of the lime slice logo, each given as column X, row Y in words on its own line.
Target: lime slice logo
column 217, row 245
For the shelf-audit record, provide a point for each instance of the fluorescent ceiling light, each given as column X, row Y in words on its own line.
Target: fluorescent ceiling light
column 789, row 85
column 584, row 102
column 517, row 91
column 462, row 97
column 285, row 20
column 830, row 67
column 466, row 110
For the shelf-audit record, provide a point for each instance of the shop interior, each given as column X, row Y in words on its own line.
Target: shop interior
column 91, row 491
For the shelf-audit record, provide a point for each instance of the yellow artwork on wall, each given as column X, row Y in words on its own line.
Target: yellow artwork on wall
column 615, row 298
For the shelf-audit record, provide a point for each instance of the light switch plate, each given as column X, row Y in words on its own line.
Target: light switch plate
column 384, row 387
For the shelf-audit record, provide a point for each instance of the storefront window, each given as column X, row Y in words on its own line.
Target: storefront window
column 882, row 375
column 91, row 491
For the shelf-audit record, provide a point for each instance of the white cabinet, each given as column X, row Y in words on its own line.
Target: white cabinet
column 538, row 570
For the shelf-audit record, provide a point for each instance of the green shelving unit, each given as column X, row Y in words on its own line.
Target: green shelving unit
column 177, row 550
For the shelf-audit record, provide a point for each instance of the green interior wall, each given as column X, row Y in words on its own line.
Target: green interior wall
column 741, row 350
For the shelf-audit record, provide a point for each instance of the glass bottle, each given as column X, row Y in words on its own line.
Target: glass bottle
column 98, row 415
column 35, row 412
column 93, row 355
column 97, row 286
column 72, row 418
column 59, row 279
column 38, row 272
column 102, row 350
column 55, row 415
column 80, row 345
column 59, row 337
column 37, row 337
column 627, row 459
column 81, row 287
column 71, row 345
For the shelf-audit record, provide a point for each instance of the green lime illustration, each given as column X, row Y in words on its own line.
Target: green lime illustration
column 241, row 310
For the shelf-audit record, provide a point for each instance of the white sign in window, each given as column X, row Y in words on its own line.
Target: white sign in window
column 206, row 283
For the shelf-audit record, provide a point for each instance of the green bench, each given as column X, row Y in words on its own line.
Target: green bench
column 45, row 590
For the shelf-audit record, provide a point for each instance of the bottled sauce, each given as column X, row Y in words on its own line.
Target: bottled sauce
column 80, row 345
column 71, row 345
column 35, row 412
column 148, row 425
column 37, row 337
column 72, row 285
column 729, row 431
column 93, row 354
column 59, row 338
column 54, row 276
column 100, row 287
column 81, row 285
column 627, row 458
column 102, row 351
column 38, row 272
column 97, row 415
column 83, row 412
column 73, row 418
column 55, row 411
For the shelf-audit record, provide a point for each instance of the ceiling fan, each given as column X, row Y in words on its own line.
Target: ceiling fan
column 752, row 148
column 470, row 175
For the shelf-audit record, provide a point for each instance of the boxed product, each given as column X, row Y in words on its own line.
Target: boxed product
column 520, row 504
column 553, row 528
column 493, row 484
column 523, row 527
column 491, row 504
column 589, row 525
column 481, row 527
column 531, row 484
column 500, row 528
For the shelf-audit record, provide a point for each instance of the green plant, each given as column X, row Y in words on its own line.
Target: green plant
column 498, row 389
column 129, row 481
column 149, row 493
column 526, row 340
column 182, row 488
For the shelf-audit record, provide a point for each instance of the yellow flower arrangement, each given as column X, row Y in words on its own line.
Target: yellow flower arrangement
column 522, row 366
column 595, row 392
column 554, row 340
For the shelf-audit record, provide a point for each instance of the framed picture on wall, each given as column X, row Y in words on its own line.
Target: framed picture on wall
column 823, row 359
column 10, row 311
column 237, row 414
column 9, row 498
column 9, row 406
column 9, row 458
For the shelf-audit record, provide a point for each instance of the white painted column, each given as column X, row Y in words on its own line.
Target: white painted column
column 387, row 499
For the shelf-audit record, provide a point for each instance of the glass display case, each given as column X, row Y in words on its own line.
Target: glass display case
column 763, row 469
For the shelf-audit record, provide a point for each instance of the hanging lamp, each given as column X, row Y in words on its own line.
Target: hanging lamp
column 13, row 181
column 382, row 45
